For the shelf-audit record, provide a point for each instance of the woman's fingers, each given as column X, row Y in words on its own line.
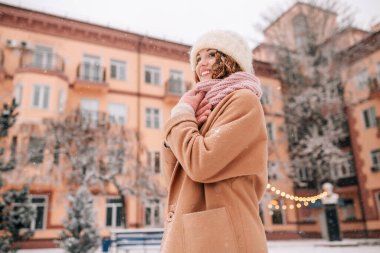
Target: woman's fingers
column 202, row 109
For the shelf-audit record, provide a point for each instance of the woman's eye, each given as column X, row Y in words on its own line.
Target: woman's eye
column 212, row 54
column 198, row 59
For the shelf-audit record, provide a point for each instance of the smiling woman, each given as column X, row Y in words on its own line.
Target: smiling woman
column 214, row 183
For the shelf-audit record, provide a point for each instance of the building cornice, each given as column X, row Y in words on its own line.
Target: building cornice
column 38, row 22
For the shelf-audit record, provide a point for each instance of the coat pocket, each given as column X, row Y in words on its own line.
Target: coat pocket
column 209, row 231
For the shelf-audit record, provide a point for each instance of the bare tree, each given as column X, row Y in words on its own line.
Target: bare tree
column 314, row 108
column 93, row 152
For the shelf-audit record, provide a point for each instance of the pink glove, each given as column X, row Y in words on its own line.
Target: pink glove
column 192, row 99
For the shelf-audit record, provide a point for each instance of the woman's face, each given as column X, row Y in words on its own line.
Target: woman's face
column 205, row 61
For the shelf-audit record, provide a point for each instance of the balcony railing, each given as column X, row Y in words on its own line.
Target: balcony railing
column 91, row 73
column 41, row 61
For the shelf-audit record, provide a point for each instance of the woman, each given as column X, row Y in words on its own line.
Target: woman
column 215, row 153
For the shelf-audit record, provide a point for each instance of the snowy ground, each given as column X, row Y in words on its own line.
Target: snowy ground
column 299, row 246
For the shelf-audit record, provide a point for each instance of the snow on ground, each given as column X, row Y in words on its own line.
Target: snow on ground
column 294, row 246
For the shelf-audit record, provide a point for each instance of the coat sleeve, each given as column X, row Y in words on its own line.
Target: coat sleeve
column 169, row 163
column 238, row 132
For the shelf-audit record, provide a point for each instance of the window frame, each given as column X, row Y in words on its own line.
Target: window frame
column 42, row 100
column 153, row 117
column 114, row 207
column 120, row 70
column 155, row 73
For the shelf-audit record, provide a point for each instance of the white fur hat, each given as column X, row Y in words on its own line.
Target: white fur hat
column 227, row 42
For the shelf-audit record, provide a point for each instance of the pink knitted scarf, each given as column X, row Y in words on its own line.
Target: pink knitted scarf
column 217, row 89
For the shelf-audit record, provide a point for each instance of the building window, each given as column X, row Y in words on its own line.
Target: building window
column 39, row 204
column 304, row 174
column 300, row 29
column 277, row 212
column 270, row 131
column 152, row 117
column 91, row 68
column 152, row 75
column 348, row 209
column 116, row 159
column 118, row 70
column 41, row 95
column 346, row 169
column 36, row 150
column 266, row 98
column 153, row 161
column 114, row 212
column 375, row 157
column 362, row 79
column 117, row 113
column 378, row 73
column 89, row 109
column 153, row 213
column 273, row 170
column 176, row 83
column 43, row 57
column 17, row 94
column 369, row 116
column 61, row 100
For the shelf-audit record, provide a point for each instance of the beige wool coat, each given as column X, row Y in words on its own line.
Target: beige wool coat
column 216, row 177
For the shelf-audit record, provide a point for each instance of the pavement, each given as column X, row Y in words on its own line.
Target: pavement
column 293, row 246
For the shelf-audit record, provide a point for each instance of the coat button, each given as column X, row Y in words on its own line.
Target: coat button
column 170, row 216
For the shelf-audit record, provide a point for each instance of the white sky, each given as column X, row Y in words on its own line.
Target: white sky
column 183, row 21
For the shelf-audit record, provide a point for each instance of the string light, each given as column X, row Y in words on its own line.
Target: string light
column 311, row 199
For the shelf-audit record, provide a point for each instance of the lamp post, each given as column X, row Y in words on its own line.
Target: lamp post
column 330, row 206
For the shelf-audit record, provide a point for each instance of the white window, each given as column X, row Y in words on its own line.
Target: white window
column 362, row 79
column 369, row 116
column 117, row 113
column 118, row 70
column 378, row 73
column 39, row 203
column 300, row 29
column 89, row 108
column 176, row 83
column 91, row 69
column 114, row 212
column 61, row 100
column 273, row 170
column 304, row 174
column 152, row 75
column 153, row 161
column 17, row 94
column 152, row 117
column 153, row 213
column 36, row 150
column 266, row 98
column 270, row 131
column 116, row 159
column 41, row 94
column 375, row 157
column 43, row 57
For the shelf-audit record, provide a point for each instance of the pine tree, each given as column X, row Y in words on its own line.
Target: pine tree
column 16, row 215
column 80, row 234
column 16, row 212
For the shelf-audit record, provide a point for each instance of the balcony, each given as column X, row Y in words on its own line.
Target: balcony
column 91, row 77
column 175, row 88
column 37, row 62
column 374, row 87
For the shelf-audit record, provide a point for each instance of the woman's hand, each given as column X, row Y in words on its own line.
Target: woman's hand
column 192, row 99
column 203, row 111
